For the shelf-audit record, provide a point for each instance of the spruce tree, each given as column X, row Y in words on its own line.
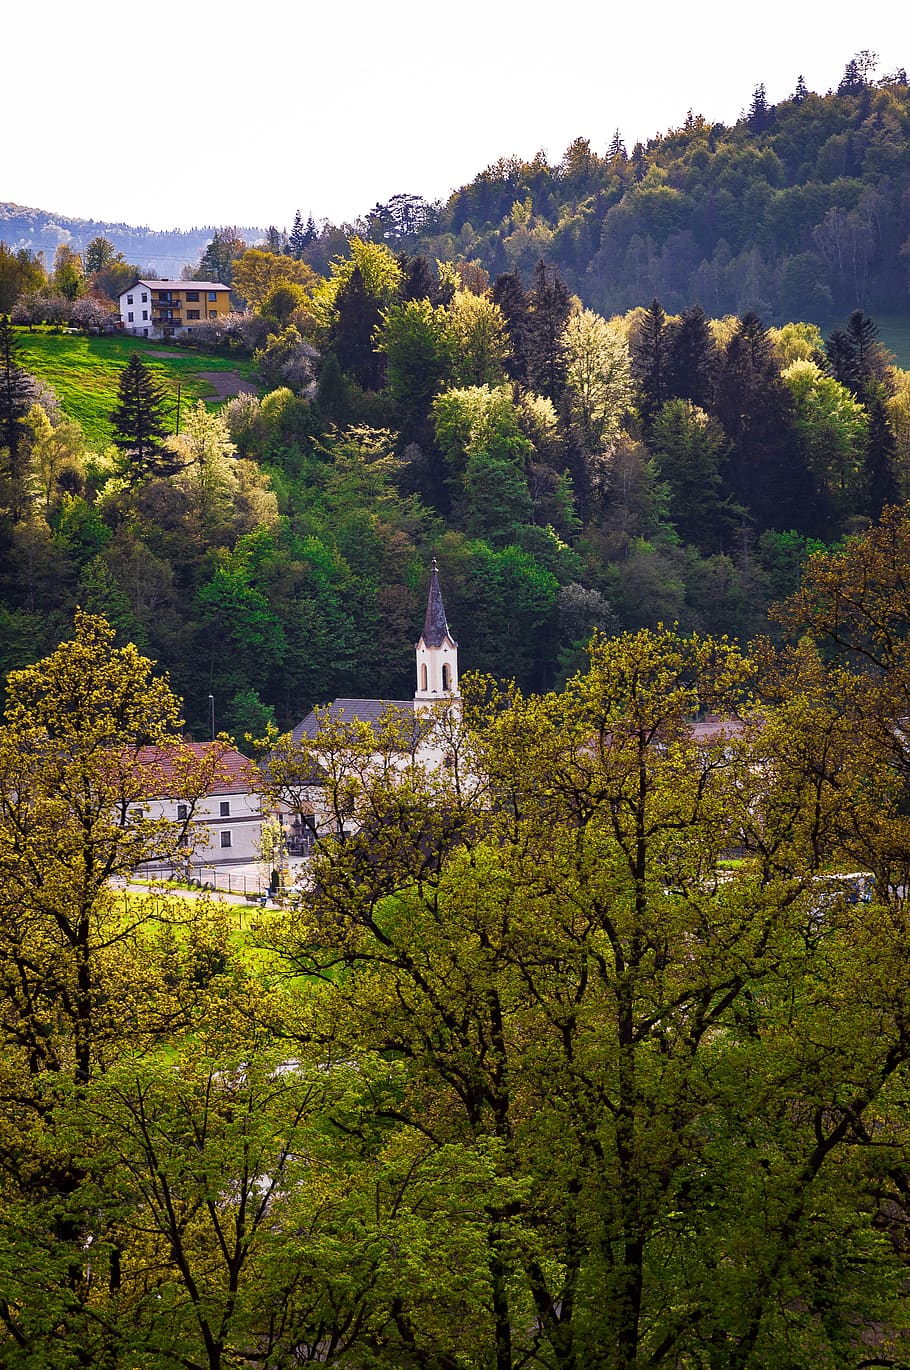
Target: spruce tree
column 693, row 360
column 357, row 318
column 549, row 306
column 140, row 425
column 863, row 334
column 617, row 148
column 650, row 356
column 15, row 396
column 881, row 484
column 297, row 238
column 509, row 295
column 417, row 282
column 760, row 112
column 766, row 466
column 840, row 357
column 855, row 356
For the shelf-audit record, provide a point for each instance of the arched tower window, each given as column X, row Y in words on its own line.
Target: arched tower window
column 446, row 676
column 423, row 677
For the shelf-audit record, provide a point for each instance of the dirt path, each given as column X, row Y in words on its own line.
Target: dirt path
column 227, row 384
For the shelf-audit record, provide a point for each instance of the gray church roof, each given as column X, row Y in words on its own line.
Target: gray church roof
column 435, row 628
column 370, row 711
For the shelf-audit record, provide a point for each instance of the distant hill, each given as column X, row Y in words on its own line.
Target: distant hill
column 165, row 251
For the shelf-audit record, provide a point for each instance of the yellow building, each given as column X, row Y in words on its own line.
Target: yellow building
column 158, row 309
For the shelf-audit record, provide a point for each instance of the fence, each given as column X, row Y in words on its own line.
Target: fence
column 209, row 878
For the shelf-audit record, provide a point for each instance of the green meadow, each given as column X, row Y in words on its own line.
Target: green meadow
column 85, row 371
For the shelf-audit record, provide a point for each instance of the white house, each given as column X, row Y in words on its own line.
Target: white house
column 225, row 825
column 156, row 309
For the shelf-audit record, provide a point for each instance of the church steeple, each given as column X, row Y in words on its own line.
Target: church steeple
column 437, row 651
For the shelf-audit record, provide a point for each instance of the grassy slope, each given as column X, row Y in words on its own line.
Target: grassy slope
column 85, row 372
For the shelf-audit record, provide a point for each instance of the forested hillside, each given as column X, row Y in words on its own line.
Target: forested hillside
column 800, row 210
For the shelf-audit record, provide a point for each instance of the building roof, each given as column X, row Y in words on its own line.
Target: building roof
column 435, row 629
column 372, row 711
column 175, row 285
column 236, row 772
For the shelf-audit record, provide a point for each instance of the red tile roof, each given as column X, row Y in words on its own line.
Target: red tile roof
column 235, row 774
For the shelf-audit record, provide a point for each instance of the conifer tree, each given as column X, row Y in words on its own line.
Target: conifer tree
column 617, row 147
column 549, row 306
column 358, row 316
column 760, row 112
column 693, row 360
column 509, row 295
column 855, row 356
column 650, row 355
column 881, row 484
column 140, row 425
column 766, row 468
column 14, row 395
column 297, row 238
column 840, row 355
column 863, row 333
column 417, row 282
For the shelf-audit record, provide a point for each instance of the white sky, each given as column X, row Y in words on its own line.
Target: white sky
column 188, row 112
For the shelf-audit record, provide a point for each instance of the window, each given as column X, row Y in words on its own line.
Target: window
column 423, row 678
column 145, row 298
column 192, row 313
column 225, row 839
column 446, row 676
column 145, row 313
column 183, row 812
column 194, row 296
column 213, row 296
column 213, row 313
column 136, row 815
column 224, row 808
column 129, row 299
column 129, row 317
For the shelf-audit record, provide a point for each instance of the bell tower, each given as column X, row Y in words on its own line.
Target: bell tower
column 437, row 652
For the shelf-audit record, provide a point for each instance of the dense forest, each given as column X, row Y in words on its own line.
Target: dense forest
column 800, row 210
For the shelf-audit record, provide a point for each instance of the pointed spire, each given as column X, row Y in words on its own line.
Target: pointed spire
column 437, row 652
column 435, row 628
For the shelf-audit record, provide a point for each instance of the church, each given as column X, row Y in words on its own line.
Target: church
column 436, row 683
column 437, row 677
